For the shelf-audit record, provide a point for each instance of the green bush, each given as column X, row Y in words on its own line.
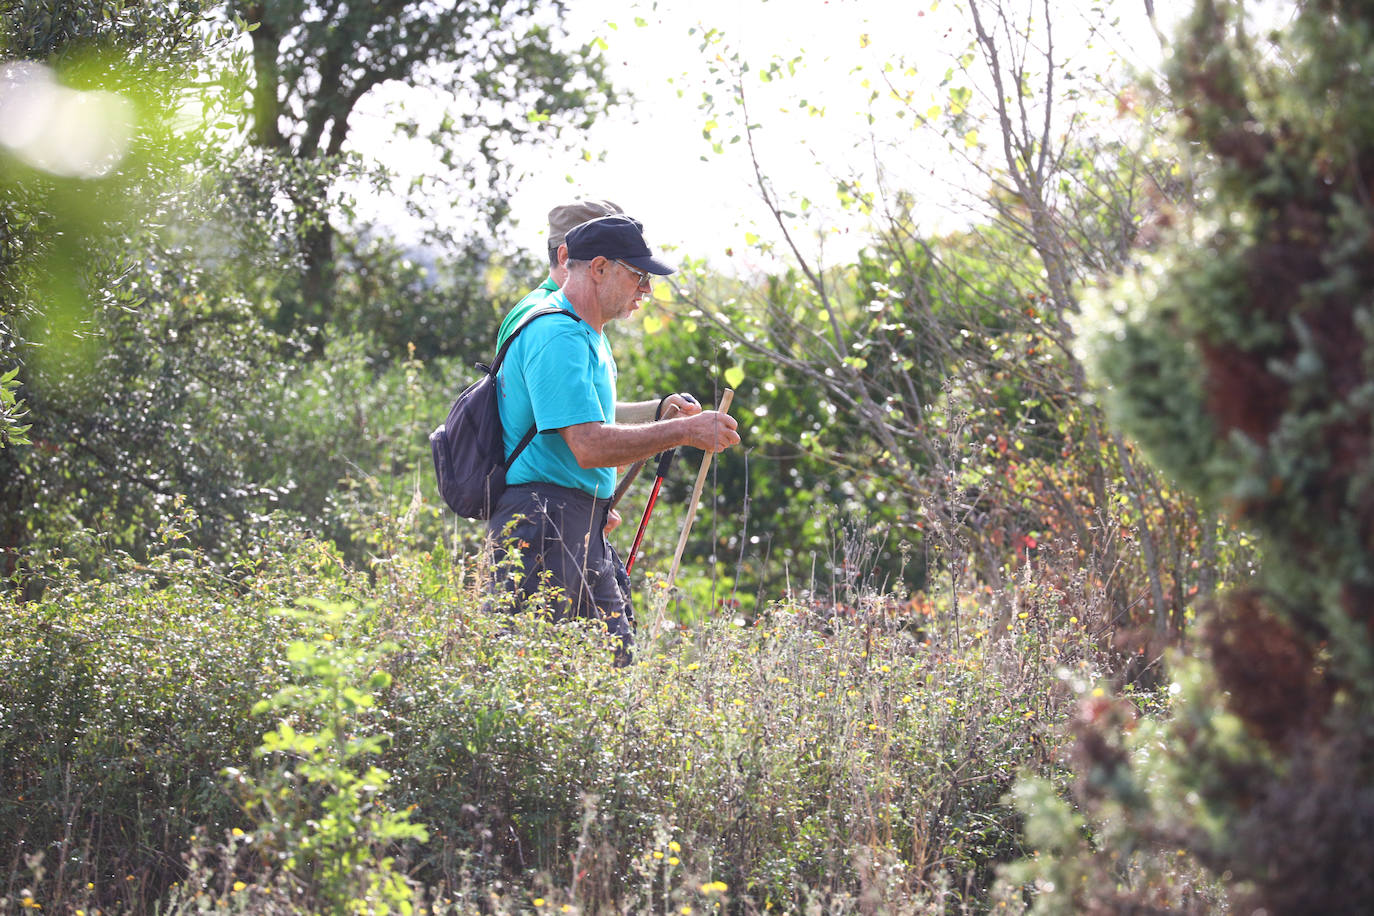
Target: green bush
column 836, row 757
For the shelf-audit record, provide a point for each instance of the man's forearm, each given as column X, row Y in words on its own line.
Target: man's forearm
column 636, row 411
column 604, row 445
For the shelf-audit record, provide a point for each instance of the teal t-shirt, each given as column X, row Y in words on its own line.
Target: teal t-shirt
column 533, row 300
column 558, row 372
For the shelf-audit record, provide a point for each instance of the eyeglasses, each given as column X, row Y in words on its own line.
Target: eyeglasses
column 643, row 276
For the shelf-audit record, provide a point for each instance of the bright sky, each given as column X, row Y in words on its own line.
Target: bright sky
column 653, row 151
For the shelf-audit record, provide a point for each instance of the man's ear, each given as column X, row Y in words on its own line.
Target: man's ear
column 562, row 255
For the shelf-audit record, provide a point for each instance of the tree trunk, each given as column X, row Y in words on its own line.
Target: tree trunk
column 317, row 279
column 266, row 78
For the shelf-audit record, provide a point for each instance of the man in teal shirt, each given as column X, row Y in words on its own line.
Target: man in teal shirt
column 561, row 219
column 559, row 375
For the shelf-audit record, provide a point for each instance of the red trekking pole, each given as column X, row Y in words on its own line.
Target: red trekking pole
column 664, row 461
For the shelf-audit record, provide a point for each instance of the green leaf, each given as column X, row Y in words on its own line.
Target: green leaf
column 733, row 376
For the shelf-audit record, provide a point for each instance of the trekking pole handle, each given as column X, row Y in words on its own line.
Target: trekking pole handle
column 665, row 461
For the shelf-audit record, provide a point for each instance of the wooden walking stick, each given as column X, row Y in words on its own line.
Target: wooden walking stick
column 724, row 407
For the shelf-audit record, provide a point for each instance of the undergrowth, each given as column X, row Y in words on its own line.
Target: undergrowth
column 295, row 735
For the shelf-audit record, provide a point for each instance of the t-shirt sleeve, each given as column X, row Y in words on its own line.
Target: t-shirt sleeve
column 559, row 376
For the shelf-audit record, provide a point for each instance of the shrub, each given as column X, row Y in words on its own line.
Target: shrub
column 1239, row 353
column 845, row 757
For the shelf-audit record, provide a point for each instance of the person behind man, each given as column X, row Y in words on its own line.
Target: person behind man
column 561, row 219
column 560, row 375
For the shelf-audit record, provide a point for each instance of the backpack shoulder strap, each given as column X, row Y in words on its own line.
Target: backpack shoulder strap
column 501, row 354
column 524, row 441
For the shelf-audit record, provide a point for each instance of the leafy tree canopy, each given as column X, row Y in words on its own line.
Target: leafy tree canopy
column 506, row 68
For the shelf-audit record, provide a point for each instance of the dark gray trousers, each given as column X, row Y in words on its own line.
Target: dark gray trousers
column 560, row 538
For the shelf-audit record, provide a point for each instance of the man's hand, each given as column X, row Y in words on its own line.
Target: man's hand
column 612, row 521
column 712, row 431
column 679, row 405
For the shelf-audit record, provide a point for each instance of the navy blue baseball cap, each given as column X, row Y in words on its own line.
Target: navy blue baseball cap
column 618, row 238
